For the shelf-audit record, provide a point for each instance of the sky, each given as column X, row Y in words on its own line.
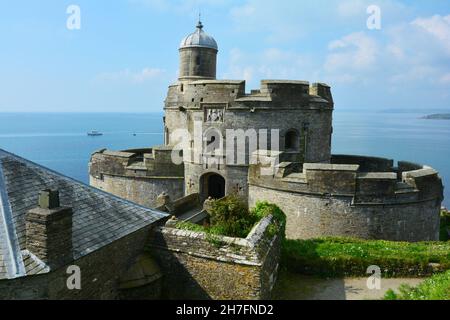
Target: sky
column 125, row 53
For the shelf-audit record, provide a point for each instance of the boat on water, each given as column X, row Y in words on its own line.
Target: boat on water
column 94, row 133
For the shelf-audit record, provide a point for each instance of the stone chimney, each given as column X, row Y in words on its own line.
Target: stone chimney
column 49, row 230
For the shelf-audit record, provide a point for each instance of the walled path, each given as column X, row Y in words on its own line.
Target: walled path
column 299, row 287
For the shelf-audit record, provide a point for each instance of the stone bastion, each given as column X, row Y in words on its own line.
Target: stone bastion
column 352, row 196
column 138, row 175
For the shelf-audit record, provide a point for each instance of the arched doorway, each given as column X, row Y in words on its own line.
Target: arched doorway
column 213, row 185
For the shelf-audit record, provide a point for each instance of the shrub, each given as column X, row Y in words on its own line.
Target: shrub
column 435, row 288
column 230, row 217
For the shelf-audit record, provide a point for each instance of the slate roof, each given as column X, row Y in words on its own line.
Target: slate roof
column 99, row 218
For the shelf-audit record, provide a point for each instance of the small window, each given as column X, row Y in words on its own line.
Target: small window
column 198, row 60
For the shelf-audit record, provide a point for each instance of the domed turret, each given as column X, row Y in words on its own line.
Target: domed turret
column 198, row 55
column 199, row 39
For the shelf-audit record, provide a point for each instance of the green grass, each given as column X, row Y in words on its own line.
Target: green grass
column 435, row 288
column 351, row 257
column 189, row 226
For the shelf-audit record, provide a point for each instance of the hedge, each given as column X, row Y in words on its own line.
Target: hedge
column 335, row 257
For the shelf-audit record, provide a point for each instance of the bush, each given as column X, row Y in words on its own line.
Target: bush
column 435, row 288
column 230, row 217
column 334, row 257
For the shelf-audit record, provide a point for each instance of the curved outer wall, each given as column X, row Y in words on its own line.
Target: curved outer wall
column 322, row 216
column 347, row 200
column 143, row 191
column 198, row 62
column 137, row 175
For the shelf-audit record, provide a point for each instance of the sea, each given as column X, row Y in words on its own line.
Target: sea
column 59, row 140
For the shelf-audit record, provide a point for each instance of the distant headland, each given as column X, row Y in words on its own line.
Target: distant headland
column 437, row 116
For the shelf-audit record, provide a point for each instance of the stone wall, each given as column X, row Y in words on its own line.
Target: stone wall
column 313, row 216
column 280, row 105
column 340, row 200
column 143, row 191
column 100, row 275
column 137, row 175
column 199, row 267
column 235, row 178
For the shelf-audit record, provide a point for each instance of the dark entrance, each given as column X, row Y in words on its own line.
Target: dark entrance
column 291, row 142
column 213, row 186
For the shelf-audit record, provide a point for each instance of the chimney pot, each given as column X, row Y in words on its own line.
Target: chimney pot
column 49, row 199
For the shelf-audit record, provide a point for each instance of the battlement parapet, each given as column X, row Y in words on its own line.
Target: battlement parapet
column 353, row 180
column 155, row 162
column 350, row 200
column 272, row 93
column 331, row 178
column 366, row 164
column 322, row 90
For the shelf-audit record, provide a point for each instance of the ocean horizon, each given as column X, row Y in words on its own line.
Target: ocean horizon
column 60, row 142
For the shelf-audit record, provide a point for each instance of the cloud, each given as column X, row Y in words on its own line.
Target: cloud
column 271, row 63
column 415, row 53
column 130, row 77
column 437, row 27
column 408, row 55
column 356, row 51
column 419, row 51
column 282, row 22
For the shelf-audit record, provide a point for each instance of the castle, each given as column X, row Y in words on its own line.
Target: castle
column 270, row 144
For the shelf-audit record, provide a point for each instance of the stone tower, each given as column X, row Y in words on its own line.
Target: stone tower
column 270, row 144
column 198, row 56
